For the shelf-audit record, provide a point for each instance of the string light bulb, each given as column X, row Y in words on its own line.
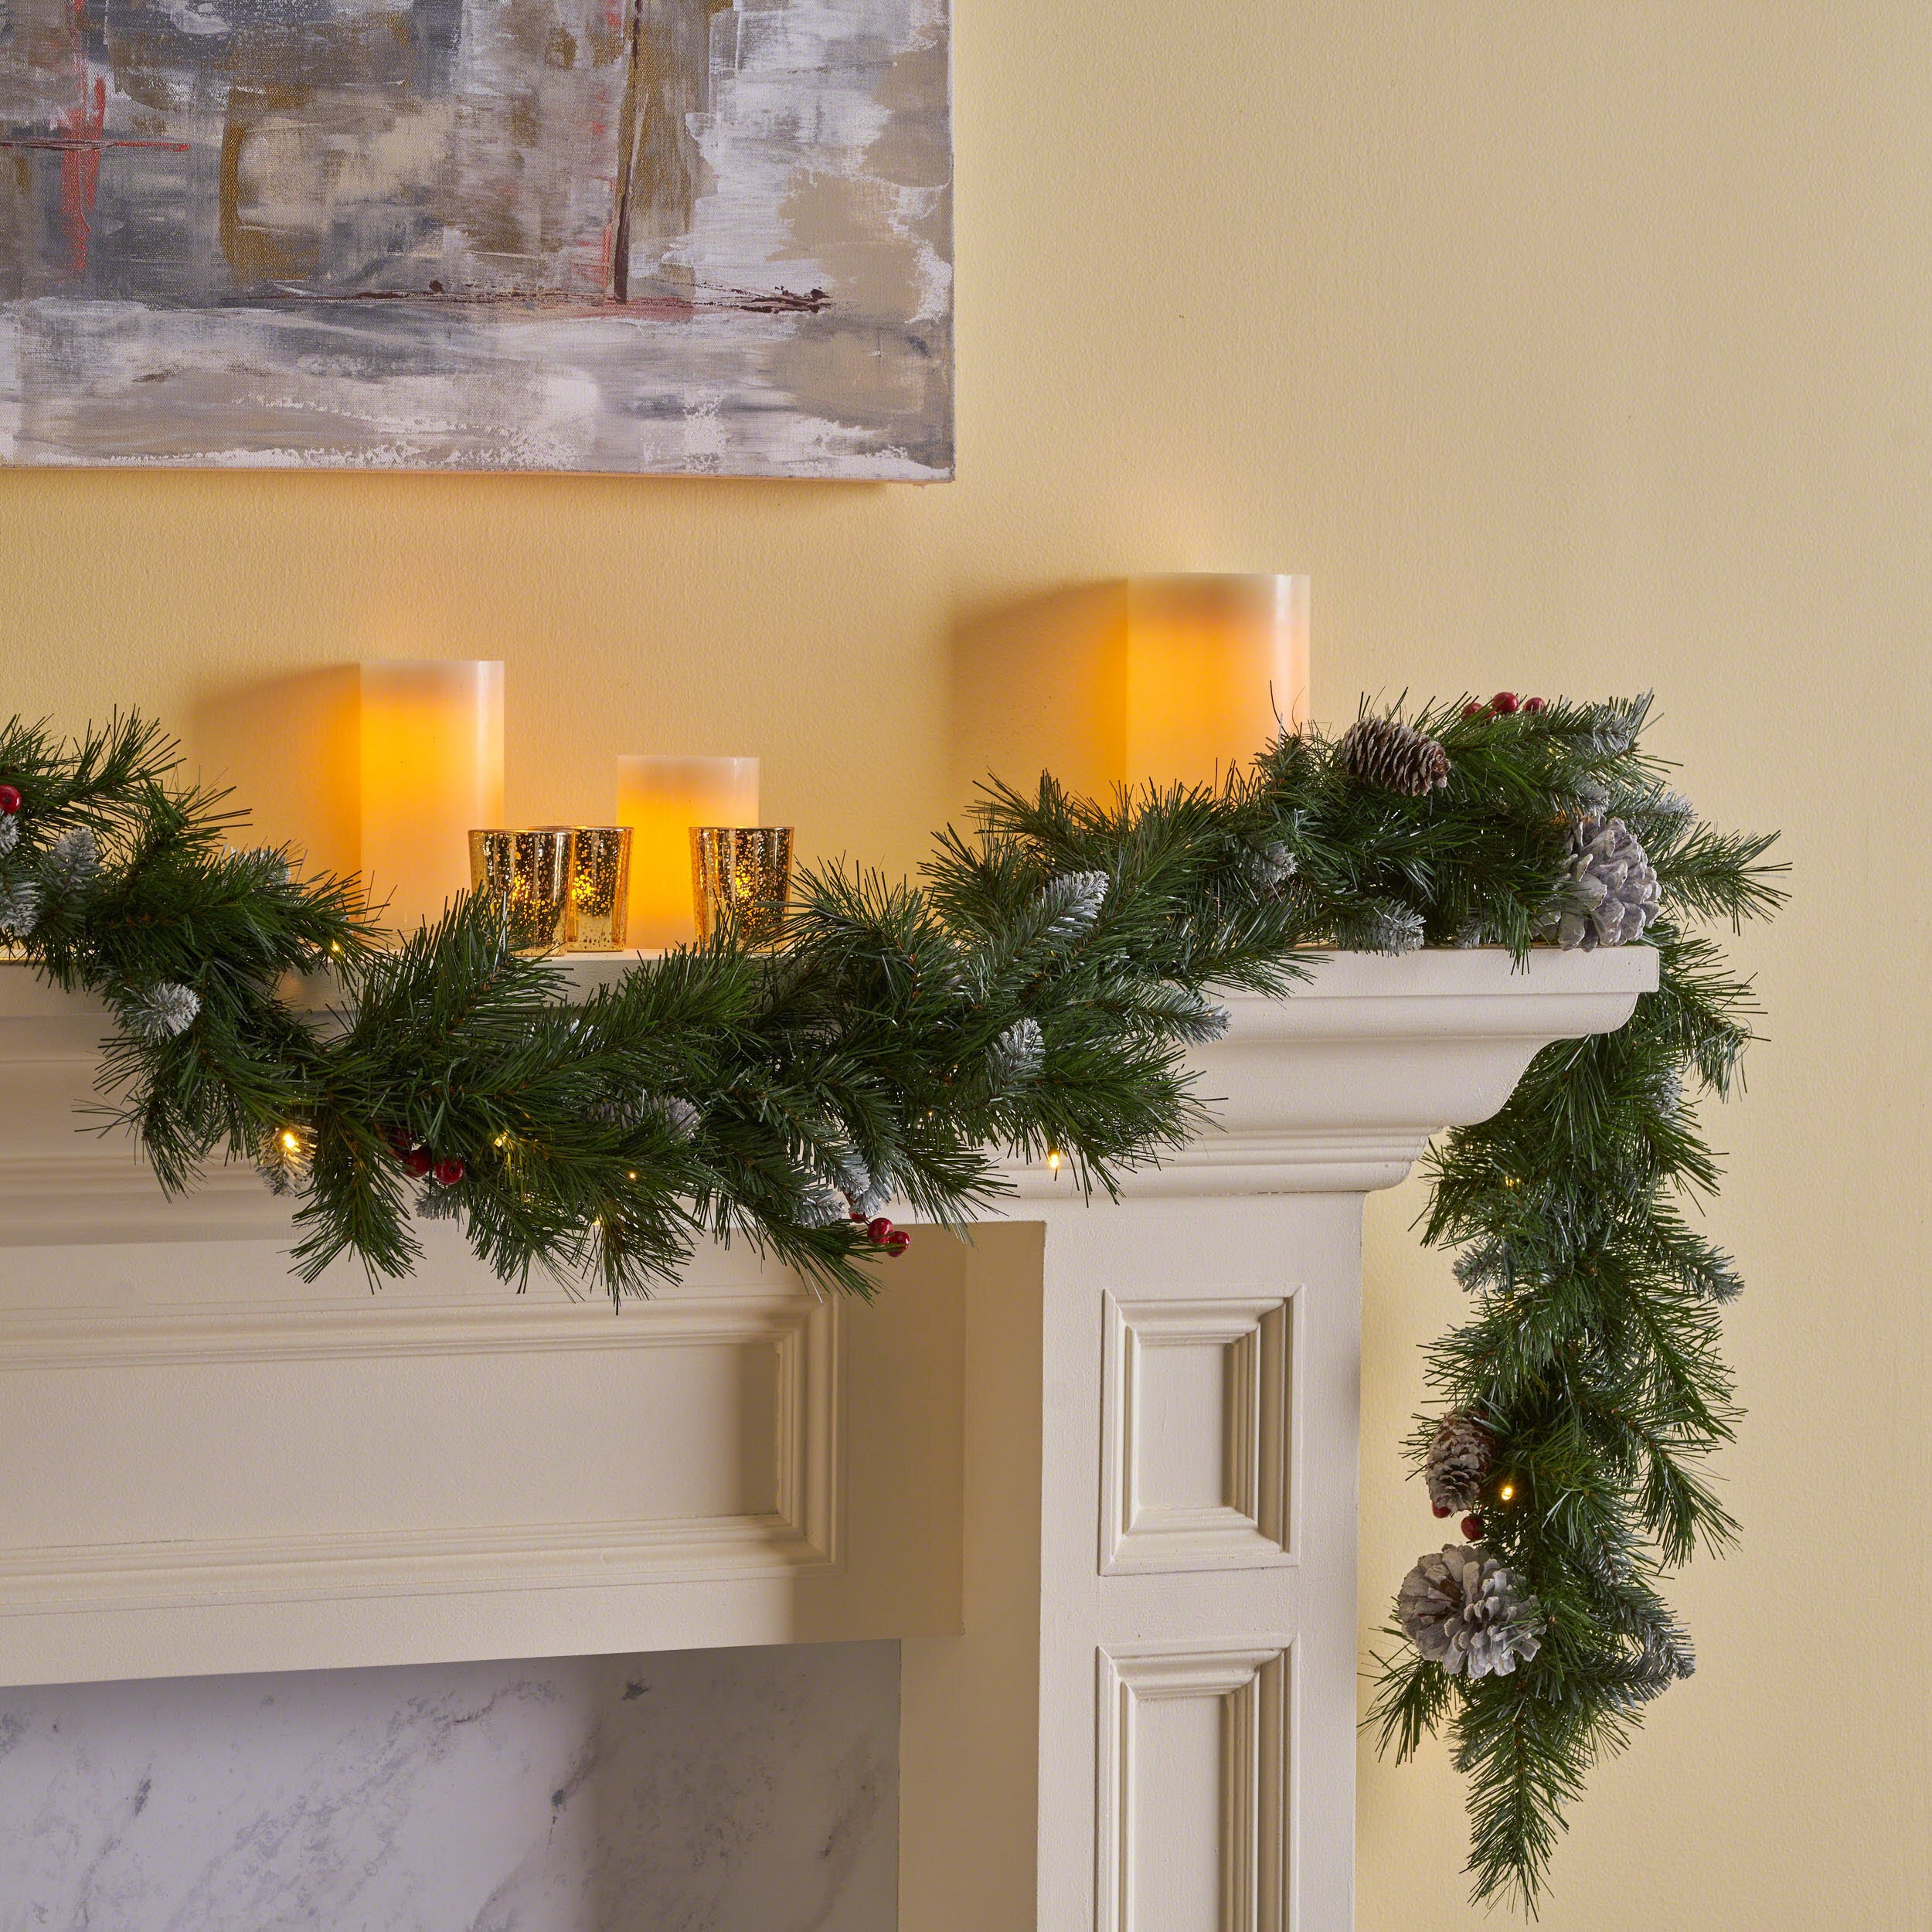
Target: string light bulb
column 1053, row 1160
column 1506, row 1493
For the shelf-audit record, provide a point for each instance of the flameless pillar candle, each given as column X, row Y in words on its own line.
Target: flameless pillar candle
column 1211, row 659
column 661, row 799
column 432, row 754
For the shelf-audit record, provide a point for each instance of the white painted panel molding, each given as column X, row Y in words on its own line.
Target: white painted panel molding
column 1197, row 1430
column 1192, row 1817
column 700, row 1437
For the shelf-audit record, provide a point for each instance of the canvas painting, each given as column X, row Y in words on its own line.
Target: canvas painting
column 642, row 235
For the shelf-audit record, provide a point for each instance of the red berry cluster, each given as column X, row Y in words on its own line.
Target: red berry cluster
column 9, row 799
column 1501, row 705
column 1470, row 1526
column 881, row 1234
column 421, row 1162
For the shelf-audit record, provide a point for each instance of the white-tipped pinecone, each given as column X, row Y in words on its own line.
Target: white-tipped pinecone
column 1387, row 753
column 1460, row 1461
column 1608, row 892
column 1271, row 868
column 1463, row 1610
column 677, row 1113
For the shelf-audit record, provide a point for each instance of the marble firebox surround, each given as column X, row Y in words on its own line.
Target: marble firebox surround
column 753, row 1788
column 1095, row 1469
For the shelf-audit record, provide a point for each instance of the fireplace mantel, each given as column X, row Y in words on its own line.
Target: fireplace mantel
column 1096, row 1468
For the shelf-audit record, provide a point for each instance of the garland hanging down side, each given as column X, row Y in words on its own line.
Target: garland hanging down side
column 1036, row 992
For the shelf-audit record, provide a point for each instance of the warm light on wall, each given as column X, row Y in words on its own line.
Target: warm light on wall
column 661, row 799
column 1212, row 662
column 432, row 769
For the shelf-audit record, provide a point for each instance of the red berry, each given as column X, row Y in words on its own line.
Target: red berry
column 419, row 1160
column 855, row 1215
column 9, row 799
column 880, row 1231
column 1471, row 1527
column 898, row 1241
column 1505, row 701
column 1532, row 704
column 448, row 1170
column 1440, row 1508
column 1473, row 710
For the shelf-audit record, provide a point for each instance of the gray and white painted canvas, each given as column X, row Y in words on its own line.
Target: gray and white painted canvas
column 670, row 236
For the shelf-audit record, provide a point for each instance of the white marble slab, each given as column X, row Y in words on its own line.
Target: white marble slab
column 725, row 1790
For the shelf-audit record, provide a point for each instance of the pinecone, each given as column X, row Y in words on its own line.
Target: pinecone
column 1388, row 754
column 1460, row 1461
column 1463, row 1610
column 1608, row 892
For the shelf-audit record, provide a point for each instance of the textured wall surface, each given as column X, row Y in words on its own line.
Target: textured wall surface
column 749, row 1789
column 1582, row 347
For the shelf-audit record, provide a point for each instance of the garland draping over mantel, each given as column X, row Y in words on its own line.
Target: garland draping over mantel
column 1033, row 995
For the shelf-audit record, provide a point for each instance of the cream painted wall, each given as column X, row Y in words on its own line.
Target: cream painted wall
column 1578, row 347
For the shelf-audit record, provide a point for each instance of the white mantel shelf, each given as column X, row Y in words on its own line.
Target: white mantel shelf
column 1096, row 1470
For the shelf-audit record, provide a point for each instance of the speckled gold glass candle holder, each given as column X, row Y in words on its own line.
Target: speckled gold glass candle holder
column 742, row 873
column 599, row 917
column 527, row 873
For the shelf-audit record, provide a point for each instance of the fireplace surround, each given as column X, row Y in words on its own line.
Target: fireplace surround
column 1093, row 1468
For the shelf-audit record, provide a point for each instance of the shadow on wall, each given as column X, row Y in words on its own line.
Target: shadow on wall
column 289, row 748
column 1041, row 685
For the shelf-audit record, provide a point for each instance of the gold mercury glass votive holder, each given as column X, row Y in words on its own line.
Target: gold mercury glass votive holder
column 528, row 874
column 742, row 874
column 600, row 914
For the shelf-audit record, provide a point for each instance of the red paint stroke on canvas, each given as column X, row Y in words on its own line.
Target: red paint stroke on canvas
column 84, row 128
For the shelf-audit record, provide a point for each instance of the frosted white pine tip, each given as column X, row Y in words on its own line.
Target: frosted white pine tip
column 285, row 1157
column 19, row 908
column 1398, row 929
column 72, row 859
column 823, row 1207
column 1019, row 1054
column 9, row 831
column 167, row 1012
column 1073, row 902
column 276, row 863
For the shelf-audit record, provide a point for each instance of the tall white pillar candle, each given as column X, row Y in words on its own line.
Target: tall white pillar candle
column 432, row 772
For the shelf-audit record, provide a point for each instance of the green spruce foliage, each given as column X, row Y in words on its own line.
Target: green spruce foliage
column 1037, row 990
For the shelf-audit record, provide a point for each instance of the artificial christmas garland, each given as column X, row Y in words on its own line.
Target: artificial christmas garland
column 1035, row 994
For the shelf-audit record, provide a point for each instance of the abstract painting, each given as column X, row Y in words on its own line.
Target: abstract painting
column 643, row 236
